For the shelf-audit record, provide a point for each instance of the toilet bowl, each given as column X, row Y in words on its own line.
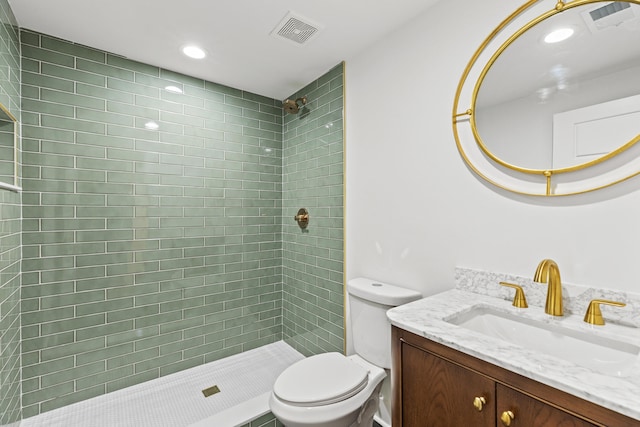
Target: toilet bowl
column 327, row 390
column 332, row 390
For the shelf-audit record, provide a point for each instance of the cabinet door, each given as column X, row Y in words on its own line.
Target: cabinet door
column 439, row 393
column 530, row 412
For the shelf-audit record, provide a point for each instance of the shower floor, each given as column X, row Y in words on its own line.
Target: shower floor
column 176, row 400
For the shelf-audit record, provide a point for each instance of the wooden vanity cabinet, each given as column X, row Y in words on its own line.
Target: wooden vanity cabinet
column 434, row 385
column 439, row 393
column 533, row 412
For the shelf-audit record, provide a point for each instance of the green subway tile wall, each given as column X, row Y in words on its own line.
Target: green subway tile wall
column 145, row 251
column 313, row 147
column 267, row 420
column 10, row 228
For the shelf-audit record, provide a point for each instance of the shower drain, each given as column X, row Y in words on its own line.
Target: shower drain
column 210, row 391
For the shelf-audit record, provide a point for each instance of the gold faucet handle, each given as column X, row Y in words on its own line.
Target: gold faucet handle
column 519, row 300
column 594, row 315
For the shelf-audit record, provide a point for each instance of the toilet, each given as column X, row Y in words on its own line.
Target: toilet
column 333, row 390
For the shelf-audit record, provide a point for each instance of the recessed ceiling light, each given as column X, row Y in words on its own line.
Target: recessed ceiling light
column 174, row 89
column 558, row 35
column 194, row 52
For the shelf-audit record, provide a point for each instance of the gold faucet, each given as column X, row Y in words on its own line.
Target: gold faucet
column 548, row 272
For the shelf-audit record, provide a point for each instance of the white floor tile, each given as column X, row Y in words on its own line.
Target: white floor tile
column 176, row 400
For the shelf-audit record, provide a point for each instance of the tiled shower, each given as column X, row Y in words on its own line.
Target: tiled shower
column 157, row 227
column 10, row 233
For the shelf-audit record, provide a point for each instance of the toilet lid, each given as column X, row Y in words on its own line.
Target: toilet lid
column 320, row 380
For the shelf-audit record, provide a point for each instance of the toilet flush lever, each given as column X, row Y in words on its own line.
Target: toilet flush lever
column 302, row 218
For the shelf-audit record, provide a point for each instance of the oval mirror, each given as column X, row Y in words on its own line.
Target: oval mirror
column 541, row 87
column 549, row 106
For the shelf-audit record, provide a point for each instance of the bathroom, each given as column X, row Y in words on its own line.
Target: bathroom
column 413, row 211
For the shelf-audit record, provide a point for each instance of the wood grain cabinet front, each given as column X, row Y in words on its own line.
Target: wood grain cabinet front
column 439, row 393
column 515, row 409
column 436, row 386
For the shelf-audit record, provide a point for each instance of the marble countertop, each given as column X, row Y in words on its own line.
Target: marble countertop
column 428, row 317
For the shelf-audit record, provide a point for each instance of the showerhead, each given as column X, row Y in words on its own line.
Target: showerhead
column 291, row 106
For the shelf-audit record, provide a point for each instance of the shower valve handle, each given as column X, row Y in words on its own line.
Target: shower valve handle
column 302, row 218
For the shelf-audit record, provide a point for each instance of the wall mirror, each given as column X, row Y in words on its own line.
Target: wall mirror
column 8, row 150
column 550, row 102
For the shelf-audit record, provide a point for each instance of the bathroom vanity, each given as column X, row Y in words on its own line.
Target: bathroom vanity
column 447, row 374
column 435, row 385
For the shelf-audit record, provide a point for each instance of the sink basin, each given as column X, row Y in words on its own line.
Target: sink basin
column 600, row 354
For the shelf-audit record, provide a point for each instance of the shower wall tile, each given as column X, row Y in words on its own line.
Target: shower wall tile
column 267, row 420
column 145, row 251
column 313, row 147
column 10, row 230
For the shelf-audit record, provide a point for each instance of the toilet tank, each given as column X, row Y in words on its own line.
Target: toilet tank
column 369, row 301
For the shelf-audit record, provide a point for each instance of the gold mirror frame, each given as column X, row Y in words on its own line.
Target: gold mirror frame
column 585, row 177
column 6, row 116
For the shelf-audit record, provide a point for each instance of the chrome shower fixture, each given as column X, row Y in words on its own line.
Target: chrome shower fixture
column 292, row 107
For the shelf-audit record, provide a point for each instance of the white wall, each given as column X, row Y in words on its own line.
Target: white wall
column 414, row 211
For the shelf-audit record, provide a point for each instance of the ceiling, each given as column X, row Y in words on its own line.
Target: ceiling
column 241, row 53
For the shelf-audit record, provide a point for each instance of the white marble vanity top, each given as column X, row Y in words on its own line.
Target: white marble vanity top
column 428, row 317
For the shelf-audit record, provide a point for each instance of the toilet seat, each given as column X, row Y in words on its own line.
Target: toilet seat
column 320, row 380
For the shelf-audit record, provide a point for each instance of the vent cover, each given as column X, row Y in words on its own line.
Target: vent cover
column 610, row 15
column 296, row 29
column 608, row 10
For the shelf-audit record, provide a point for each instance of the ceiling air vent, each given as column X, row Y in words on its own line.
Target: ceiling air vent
column 608, row 10
column 296, row 29
column 610, row 15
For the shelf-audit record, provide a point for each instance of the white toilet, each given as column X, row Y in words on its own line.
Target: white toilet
column 333, row 390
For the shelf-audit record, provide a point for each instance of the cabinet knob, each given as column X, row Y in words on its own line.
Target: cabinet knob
column 507, row 417
column 478, row 402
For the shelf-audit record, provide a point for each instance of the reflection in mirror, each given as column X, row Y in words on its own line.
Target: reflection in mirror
column 558, row 105
column 8, row 160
